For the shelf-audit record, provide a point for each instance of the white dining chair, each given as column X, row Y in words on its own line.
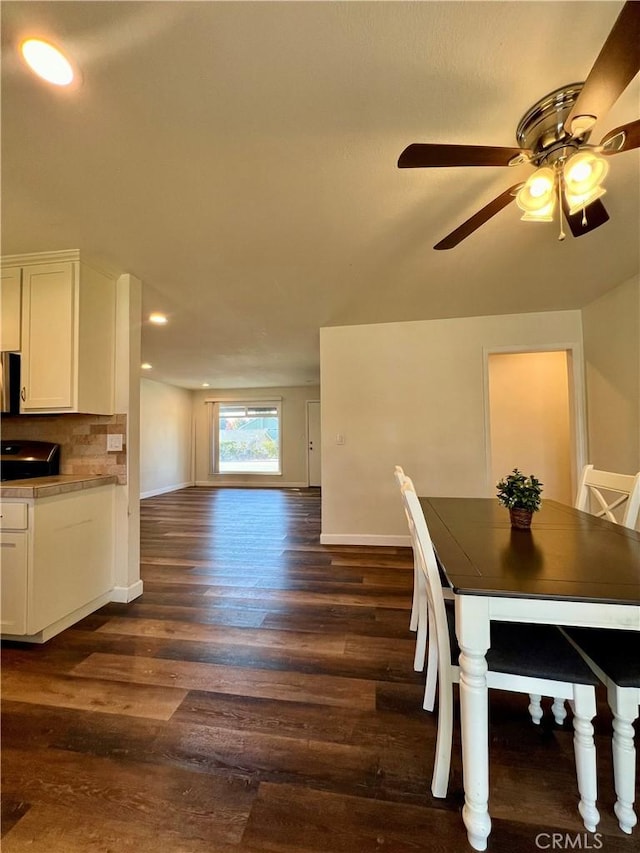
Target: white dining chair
column 614, row 656
column 401, row 477
column 425, row 649
column 621, row 492
column 399, row 474
column 523, row 658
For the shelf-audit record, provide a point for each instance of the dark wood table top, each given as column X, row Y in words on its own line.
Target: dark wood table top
column 567, row 554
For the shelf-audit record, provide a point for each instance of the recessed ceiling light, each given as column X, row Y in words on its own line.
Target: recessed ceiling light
column 146, row 366
column 158, row 319
column 205, row 385
column 47, row 62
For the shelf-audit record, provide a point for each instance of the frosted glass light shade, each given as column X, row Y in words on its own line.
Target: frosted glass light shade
column 544, row 214
column 538, row 192
column 578, row 202
column 584, row 172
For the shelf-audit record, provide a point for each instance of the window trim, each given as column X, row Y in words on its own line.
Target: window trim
column 214, row 433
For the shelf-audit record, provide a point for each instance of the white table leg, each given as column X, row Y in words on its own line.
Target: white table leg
column 584, row 710
column 472, row 629
column 624, row 705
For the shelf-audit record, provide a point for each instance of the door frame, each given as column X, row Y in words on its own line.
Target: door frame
column 577, row 403
column 307, row 446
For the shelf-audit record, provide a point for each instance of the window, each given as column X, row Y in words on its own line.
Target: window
column 247, row 438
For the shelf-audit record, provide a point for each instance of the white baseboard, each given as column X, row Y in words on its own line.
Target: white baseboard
column 252, row 484
column 365, row 539
column 153, row 492
column 125, row 594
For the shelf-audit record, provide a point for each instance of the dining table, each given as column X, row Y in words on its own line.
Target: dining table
column 570, row 568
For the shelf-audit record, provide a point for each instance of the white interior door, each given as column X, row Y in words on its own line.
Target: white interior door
column 313, row 442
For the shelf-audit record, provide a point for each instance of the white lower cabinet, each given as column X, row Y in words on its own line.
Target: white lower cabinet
column 13, row 582
column 58, row 567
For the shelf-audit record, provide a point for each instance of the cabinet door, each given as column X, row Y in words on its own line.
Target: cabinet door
column 13, row 583
column 10, row 314
column 48, row 336
column 72, row 554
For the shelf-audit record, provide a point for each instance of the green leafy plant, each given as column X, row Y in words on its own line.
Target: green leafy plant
column 516, row 491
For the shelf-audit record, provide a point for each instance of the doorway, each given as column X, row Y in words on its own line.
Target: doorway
column 531, row 419
column 314, row 466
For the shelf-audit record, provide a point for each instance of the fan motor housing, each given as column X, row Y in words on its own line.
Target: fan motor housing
column 541, row 129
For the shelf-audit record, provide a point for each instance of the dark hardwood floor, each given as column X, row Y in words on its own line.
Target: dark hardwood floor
column 260, row 696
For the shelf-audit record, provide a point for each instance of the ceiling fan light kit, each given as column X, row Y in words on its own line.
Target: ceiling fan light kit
column 584, row 171
column 576, row 203
column 545, row 214
column 581, row 177
column 537, row 197
column 553, row 136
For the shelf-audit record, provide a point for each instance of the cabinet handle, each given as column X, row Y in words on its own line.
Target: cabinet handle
column 23, row 394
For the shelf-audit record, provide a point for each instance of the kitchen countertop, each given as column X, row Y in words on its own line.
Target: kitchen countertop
column 46, row 487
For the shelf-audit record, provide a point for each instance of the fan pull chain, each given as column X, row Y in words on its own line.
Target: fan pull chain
column 561, row 235
column 584, row 215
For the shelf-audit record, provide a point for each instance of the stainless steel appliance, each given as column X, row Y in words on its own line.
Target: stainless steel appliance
column 21, row 460
column 9, row 383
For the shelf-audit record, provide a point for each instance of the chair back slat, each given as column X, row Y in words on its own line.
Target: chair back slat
column 405, row 482
column 620, row 490
column 426, row 558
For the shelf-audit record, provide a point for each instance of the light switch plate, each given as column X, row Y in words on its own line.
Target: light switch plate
column 114, row 443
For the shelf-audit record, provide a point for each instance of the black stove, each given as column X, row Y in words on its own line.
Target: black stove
column 20, row 460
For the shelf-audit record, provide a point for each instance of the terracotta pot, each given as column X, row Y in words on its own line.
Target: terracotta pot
column 520, row 518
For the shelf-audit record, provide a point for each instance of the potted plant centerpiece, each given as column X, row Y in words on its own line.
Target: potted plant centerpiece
column 521, row 496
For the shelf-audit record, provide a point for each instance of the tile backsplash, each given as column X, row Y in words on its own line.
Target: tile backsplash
column 82, row 440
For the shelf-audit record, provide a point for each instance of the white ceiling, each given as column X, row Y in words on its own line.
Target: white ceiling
column 240, row 158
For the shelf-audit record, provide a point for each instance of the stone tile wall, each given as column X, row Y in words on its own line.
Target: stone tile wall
column 82, row 440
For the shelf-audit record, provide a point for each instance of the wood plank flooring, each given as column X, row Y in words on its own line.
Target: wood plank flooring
column 260, row 696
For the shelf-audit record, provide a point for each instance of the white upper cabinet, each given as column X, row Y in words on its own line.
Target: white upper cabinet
column 10, row 309
column 68, row 336
column 49, row 332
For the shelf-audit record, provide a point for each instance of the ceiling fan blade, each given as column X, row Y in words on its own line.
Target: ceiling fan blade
column 426, row 155
column 478, row 219
column 617, row 64
column 629, row 138
column 596, row 215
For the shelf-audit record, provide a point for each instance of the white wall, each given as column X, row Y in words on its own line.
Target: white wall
column 413, row 394
column 294, row 436
column 612, row 358
column 165, row 438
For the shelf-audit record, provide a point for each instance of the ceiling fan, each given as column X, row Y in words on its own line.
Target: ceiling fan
column 552, row 135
